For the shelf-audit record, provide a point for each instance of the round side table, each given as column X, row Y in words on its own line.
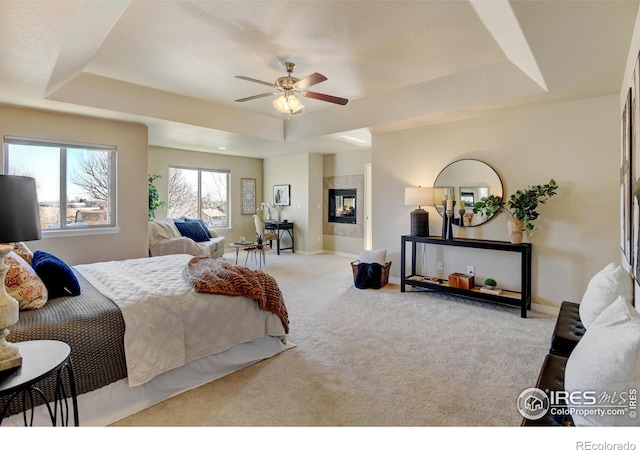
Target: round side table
column 259, row 252
column 41, row 359
column 240, row 244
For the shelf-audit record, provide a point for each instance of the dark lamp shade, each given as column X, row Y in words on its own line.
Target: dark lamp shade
column 19, row 209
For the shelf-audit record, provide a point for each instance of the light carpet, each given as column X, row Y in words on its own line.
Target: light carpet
column 372, row 358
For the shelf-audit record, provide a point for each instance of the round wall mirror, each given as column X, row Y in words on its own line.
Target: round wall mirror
column 467, row 180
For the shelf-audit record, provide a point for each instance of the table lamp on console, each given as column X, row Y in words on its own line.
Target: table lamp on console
column 19, row 221
column 419, row 196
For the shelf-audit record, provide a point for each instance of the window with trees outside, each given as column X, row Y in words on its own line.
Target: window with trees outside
column 75, row 182
column 199, row 194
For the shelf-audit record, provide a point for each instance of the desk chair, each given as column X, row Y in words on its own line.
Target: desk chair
column 260, row 230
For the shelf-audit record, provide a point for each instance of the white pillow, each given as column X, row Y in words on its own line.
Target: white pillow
column 373, row 256
column 607, row 360
column 603, row 289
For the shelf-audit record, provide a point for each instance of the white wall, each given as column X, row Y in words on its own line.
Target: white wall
column 303, row 173
column 316, row 167
column 574, row 143
column 131, row 142
column 160, row 158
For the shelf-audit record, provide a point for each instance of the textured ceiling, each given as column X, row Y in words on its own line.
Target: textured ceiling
column 172, row 64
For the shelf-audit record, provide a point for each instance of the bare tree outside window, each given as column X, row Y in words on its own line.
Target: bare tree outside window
column 92, row 175
column 88, row 186
column 214, row 198
column 183, row 195
column 85, row 174
column 185, row 185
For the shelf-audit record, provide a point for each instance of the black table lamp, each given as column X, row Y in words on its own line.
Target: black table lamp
column 19, row 221
column 418, row 196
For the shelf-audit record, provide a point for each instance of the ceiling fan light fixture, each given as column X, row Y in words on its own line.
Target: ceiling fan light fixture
column 288, row 104
column 294, row 104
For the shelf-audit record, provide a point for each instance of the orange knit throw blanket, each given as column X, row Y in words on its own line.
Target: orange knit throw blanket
column 217, row 276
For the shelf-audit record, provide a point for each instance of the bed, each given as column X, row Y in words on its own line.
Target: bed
column 143, row 330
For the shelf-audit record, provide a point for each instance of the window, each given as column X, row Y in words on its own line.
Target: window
column 200, row 194
column 75, row 182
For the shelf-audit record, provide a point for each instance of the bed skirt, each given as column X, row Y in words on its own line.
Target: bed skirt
column 118, row 400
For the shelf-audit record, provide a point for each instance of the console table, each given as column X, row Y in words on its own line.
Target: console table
column 280, row 228
column 521, row 299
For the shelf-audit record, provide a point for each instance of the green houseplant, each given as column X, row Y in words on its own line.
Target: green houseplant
column 521, row 206
column 490, row 283
column 154, row 198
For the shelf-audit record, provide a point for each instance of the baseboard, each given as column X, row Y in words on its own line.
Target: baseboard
column 315, row 252
column 350, row 255
column 394, row 280
column 553, row 310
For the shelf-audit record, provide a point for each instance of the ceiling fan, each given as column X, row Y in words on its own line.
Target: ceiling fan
column 287, row 88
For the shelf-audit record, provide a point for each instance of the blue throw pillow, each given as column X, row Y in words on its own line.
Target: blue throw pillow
column 193, row 230
column 56, row 275
column 204, row 225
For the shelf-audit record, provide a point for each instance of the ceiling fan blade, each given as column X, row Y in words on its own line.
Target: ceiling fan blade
column 253, row 97
column 326, row 98
column 312, row 79
column 256, row 81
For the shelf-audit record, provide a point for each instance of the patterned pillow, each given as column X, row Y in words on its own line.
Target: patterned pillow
column 24, row 284
column 23, row 251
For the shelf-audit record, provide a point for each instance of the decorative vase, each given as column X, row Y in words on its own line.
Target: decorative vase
column 468, row 219
column 516, row 228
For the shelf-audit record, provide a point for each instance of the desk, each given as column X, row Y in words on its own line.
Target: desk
column 280, row 228
column 41, row 359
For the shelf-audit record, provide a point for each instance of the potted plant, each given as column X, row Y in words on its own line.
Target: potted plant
column 521, row 206
column 265, row 208
column 154, row 198
column 490, row 283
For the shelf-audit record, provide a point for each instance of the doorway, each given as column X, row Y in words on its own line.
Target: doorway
column 368, row 202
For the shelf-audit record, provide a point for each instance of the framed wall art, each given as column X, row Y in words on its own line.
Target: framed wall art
column 281, row 193
column 626, row 222
column 634, row 120
column 248, row 195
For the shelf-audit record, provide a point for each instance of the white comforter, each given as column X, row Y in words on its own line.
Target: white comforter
column 167, row 323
